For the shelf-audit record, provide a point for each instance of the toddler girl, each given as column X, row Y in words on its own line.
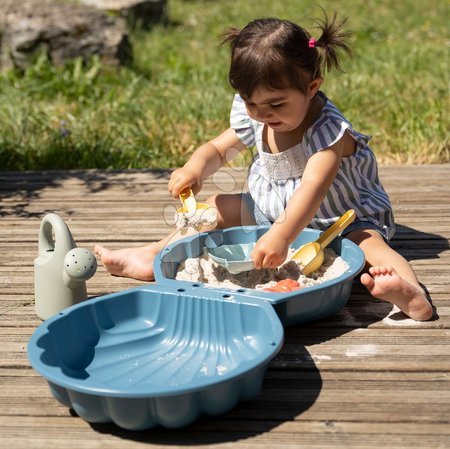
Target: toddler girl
column 311, row 164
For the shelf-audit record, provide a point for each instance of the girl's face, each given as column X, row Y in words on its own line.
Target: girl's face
column 283, row 110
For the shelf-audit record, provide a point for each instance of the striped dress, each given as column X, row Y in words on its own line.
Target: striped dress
column 274, row 177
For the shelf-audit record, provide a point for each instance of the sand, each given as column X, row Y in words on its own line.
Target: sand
column 201, row 219
column 203, row 269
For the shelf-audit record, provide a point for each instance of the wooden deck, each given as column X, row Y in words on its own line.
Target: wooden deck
column 364, row 378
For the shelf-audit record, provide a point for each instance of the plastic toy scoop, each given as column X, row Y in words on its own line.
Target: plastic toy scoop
column 235, row 258
column 194, row 215
column 311, row 255
column 190, row 206
column 187, row 198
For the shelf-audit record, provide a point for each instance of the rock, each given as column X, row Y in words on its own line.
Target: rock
column 137, row 12
column 62, row 30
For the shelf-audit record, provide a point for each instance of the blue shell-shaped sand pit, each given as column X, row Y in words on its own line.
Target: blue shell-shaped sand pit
column 146, row 356
column 298, row 306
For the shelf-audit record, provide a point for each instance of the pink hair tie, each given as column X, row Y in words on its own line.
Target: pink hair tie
column 312, row 43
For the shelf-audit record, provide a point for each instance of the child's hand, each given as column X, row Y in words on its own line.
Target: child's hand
column 185, row 177
column 270, row 250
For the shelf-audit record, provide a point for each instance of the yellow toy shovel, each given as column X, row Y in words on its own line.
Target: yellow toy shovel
column 190, row 205
column 311, row 255
column 187, row 198
column 193, row 214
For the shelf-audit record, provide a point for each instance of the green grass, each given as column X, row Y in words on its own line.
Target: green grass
column 175, row 95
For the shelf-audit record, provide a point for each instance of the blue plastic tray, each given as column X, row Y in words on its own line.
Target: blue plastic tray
column 292, row 308
column 154, row 355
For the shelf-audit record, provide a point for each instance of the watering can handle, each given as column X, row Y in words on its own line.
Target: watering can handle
column 332, row 232
column 62, row 235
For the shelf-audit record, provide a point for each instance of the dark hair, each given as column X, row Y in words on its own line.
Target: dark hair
column 277, row 54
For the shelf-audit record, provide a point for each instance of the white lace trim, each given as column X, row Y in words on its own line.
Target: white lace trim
column 283, row 166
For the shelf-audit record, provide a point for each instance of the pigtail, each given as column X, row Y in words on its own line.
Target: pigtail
column 333, row 41
column 230, row 36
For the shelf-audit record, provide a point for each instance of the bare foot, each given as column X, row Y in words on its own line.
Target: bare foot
column 385, row 283
column 136, row 263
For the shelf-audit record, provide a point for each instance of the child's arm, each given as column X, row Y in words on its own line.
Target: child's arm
column 205, row 161
column 320, row 171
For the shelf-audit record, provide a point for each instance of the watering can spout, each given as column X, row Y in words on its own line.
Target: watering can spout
column 60, row 269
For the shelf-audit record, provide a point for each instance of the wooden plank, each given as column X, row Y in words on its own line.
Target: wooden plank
column 250, row 434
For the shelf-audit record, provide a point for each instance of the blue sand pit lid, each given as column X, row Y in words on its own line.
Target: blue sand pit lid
column 155, row 341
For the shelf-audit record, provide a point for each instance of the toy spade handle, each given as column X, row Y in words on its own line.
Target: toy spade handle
column 62, row 241
column 334, row 230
